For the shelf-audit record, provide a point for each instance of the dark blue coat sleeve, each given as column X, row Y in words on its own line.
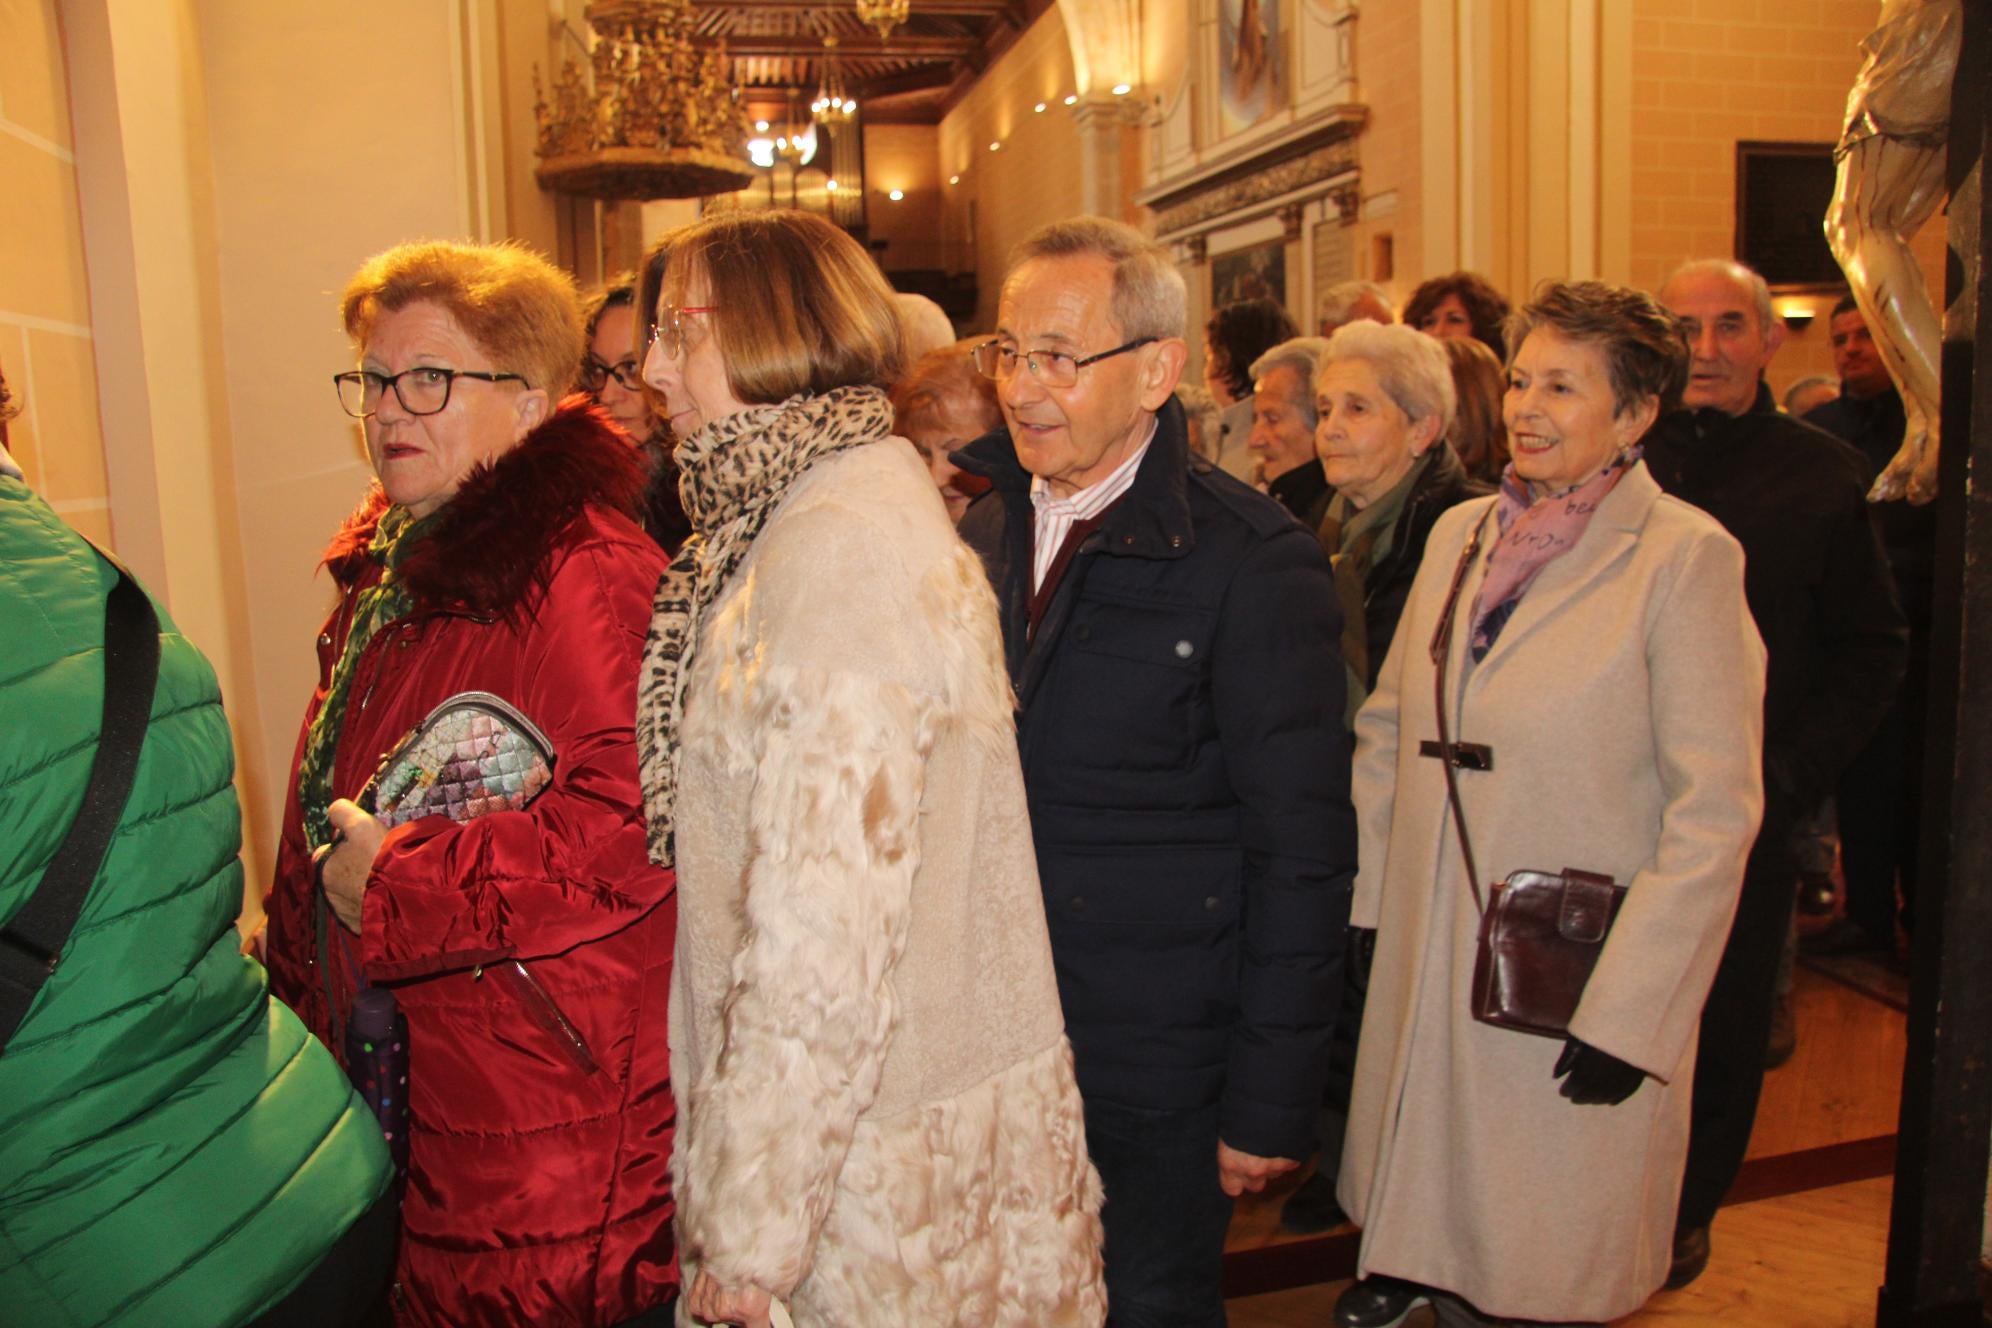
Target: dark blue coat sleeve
column 1278, row 685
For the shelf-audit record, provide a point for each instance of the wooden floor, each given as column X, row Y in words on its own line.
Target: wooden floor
column 1843, row 1085
column 1810, row 1260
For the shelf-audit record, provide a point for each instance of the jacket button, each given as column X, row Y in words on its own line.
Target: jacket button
column 325, row 638
column 1175, row 541
column 1127, row 539
column 1210, row 904
column 1084, row 631
column 1184, row 650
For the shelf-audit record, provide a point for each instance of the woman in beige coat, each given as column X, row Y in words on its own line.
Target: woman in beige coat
column 1602, row 649
column 878, row 1122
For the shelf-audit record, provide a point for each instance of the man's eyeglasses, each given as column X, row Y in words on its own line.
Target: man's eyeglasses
column 1052, row 368
column 423, row 390
column 670, row 332
column 595, row 375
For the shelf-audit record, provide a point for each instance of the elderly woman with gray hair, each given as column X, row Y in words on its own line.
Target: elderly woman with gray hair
column 1384, row 399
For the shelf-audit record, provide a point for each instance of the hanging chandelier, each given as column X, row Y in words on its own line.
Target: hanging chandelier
column 833, row 105
column 884, row 15
column 658, row 119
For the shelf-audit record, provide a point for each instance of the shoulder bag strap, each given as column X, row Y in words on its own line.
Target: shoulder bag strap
column 1441, row 649
column 32, row 942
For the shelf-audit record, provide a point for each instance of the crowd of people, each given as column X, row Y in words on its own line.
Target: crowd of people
column 923, row 825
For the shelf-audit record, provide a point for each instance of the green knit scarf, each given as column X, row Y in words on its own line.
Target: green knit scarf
column 374, row 608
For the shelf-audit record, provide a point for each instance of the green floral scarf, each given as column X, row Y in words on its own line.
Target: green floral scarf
column 373, row 609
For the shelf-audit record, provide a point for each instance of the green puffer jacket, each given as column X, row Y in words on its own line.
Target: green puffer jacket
column 175, row 1149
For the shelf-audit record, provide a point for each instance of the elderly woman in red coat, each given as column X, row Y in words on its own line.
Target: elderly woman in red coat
column 529, row 947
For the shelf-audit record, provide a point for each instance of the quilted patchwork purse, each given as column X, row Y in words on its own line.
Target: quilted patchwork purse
column 474, row 754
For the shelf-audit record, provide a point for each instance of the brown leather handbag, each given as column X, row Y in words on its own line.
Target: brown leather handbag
column 1540, row 932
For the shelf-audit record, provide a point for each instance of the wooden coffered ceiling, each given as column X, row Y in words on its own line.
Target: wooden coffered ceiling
column 912, row 77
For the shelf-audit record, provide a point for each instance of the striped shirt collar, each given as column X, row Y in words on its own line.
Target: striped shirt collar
column 1055, row 515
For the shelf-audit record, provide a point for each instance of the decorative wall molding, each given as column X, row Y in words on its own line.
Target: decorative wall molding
column 1183, row 205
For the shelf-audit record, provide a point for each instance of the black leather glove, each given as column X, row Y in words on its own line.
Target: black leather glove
column 1359, row 957
column 1593, row 1078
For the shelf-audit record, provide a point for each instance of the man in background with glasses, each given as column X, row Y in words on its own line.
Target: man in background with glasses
column 1172, row 637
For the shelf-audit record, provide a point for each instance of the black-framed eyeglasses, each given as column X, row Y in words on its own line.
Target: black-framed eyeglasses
column 1053, row 368
column 423, row 390
column 595, row 375
column 671, row 330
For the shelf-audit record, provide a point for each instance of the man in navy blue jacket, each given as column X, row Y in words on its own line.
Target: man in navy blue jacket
column 1172, row 636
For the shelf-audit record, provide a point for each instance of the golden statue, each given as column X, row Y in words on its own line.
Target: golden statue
column 1891, row 181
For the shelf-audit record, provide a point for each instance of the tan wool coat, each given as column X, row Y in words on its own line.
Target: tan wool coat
column 878, row 1120
column 1624, row 705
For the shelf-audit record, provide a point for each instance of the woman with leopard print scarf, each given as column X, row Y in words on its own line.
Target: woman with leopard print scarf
column 878, row 1121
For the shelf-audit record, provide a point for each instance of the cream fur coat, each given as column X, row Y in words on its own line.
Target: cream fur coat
column 1624, row 704
column 877, row 1116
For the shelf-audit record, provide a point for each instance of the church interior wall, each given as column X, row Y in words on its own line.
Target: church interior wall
column 907, row 232
column 45, row 317
column 999, row 197
column 1710, row 73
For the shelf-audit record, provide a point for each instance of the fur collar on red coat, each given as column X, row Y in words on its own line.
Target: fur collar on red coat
column 492, row 541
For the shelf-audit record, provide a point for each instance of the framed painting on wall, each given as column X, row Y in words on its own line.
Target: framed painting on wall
column 1782, row 193
column 1255, row 273
column 1251, row 81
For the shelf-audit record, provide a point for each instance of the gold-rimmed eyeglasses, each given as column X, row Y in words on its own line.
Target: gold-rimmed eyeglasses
column 1052, row 368
column 669, row 332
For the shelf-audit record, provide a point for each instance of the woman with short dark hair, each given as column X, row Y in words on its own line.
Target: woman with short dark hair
column 1460, row 304
column 1602, row 684
column 878, row 1118
column 1234, row 336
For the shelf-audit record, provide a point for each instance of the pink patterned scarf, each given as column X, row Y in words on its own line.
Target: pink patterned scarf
column 1534, row 533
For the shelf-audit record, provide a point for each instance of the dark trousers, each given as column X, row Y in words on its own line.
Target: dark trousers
column 348, row 1288
column 1881, row 803
column 1736, row 1027
column 1165, row 1216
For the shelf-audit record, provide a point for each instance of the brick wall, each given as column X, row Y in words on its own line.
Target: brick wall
column 45, row 343
column 1710, row 73
column 1387, row 52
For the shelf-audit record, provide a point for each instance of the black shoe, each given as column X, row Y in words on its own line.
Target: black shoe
column 1312, row 1207
column 1377, row 1302
column 1815, row 895
column 1784, row 1035
column 1690, row 1256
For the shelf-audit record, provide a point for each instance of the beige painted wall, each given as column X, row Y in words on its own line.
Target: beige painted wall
column 1035, row 176
column 236, row 162
column 1708, row 73
column 45, row 320
column 912, row 230
column 1388, row 42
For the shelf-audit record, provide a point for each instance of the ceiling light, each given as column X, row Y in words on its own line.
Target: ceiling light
column 883, row 15
column 954, row 179
column 1039, row 108
column 997, row 144
column 1071, row 99
column 896, row 195
column 1122, row 89
column 831, row 185
column 760, row 126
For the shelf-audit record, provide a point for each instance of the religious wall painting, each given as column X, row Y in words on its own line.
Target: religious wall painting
column 1251, row 75
column 1256, row 273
